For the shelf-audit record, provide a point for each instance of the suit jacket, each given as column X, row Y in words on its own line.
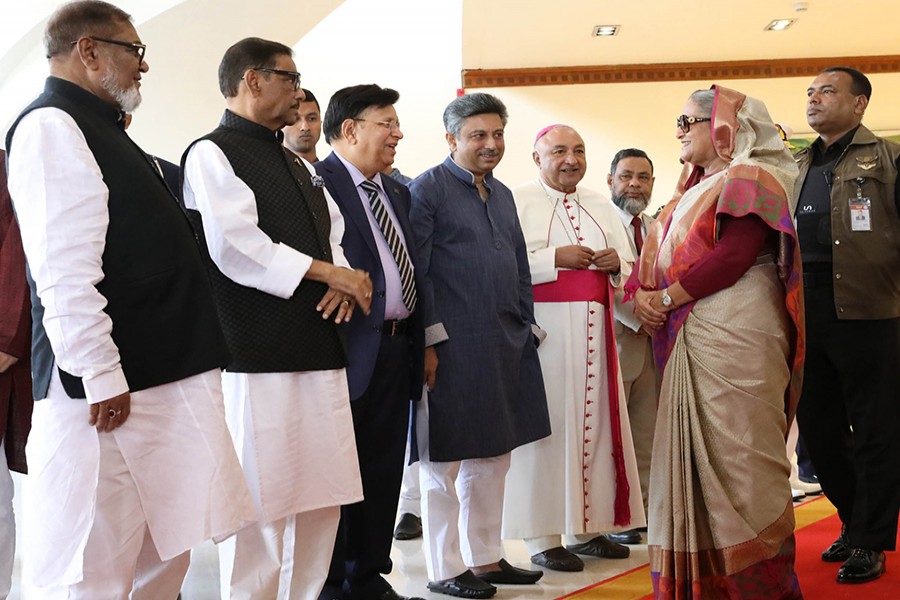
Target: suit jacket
column 631, row 346
column 364, row 332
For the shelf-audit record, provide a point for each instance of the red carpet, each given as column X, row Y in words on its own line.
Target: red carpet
column 817, row 526
column 817, row 577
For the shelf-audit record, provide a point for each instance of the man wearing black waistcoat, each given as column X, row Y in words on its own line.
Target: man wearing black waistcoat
column 847, row 206
column 386, row 347
column 282, row 286
column 125, row 321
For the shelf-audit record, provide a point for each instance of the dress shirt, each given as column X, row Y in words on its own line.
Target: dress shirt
column 61, row 204
column 240, row 249
column 394, row 308
column 627, row 217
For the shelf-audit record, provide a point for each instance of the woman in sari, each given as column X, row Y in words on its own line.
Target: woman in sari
column 719, row 284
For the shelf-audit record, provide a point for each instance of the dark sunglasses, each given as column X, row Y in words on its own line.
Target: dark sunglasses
column 684, row 122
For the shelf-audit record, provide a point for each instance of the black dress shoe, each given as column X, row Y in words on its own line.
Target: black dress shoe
column 839, row 551
column 510, row 575
column 558, row 559
column 602, row 547
column 632, row 536
column 466, row 585
column 409, row 527
column 391, row 594
column 862, row 566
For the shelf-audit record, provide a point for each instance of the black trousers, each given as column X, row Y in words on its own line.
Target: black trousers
column 381, row 423
column 849, row 416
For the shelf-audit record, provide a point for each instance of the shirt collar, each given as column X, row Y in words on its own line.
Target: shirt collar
column 355, row 174
column 839, row 145
column 250, row 128
column 465, row 175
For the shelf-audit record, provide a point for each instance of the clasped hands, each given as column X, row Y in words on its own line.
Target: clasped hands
column 582, row 257
column 347, row 289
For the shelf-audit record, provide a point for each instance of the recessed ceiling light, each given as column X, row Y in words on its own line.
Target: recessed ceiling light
column 779, row 25
column 605, row 30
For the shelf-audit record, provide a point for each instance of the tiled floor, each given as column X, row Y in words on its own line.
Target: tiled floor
column 409, row 577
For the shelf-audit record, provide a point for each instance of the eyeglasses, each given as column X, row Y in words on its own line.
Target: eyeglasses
column 684, row 122
column 294, row 75
column 139, row 50
column 389, row 125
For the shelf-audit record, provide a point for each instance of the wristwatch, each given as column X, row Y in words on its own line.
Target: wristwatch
column 667, row 299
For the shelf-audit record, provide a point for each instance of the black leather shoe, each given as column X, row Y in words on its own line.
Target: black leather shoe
column 602, row 547
column 632, row 536
column 509, row 574
column 466, row 585
column 558, row 559
column 409, row 527
column 391, row 594
column 839, row 551
column 862, row 566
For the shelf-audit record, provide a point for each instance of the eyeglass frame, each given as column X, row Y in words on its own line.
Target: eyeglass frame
column 141, row 49
column 389, row 125
column 292, row 74
column 684, row 122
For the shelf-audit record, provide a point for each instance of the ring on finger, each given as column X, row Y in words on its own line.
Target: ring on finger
column 113, row 413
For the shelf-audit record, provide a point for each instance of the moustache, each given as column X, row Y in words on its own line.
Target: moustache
column 489, row 153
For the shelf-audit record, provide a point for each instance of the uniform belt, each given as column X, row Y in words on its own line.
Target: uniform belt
column 394, row 327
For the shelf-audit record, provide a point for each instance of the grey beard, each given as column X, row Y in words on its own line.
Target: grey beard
column 129, row 99
column 632, row 207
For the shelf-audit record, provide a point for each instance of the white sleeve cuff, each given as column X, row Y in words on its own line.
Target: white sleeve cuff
column 105, row 385
column 284, row 273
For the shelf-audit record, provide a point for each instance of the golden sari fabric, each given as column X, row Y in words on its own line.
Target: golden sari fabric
column 721, row 515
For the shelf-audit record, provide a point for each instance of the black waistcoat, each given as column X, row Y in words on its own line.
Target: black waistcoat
column 267, row 334
column 158, row 295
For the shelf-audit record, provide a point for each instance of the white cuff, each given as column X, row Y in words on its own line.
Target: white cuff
column 104, row 386
column 284, row 273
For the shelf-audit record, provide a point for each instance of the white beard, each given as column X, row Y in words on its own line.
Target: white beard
column 128, row 99
column 630, row 205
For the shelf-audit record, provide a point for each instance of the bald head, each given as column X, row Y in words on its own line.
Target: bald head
column 559, row 154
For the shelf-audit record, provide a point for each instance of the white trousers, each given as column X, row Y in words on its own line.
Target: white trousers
column 120, row 541
column 287, row 559
column 7, row 526
column 410, row 498
column 462, row 508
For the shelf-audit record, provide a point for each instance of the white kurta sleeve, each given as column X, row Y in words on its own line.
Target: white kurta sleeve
column 61, row 203
column 238, row 247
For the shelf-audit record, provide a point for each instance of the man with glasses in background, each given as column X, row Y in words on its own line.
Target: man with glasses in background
column 124, row 320
column 386, row 346
column 282, row 286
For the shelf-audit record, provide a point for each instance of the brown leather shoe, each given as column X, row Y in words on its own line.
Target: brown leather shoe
column 558, row 559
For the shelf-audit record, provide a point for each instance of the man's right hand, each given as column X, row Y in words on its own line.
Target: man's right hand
column 431, row 365
column 574, row 257
column 110, row 414
column 354, row 283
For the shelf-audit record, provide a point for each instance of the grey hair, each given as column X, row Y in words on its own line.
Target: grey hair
column 470, row 105
column 704, row 100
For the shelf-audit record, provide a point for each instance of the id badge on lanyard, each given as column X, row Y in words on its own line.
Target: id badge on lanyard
column 860, row 209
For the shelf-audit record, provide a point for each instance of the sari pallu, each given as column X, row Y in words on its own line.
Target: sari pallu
column 721, row 516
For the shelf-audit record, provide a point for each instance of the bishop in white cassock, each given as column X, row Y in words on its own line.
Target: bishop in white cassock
column 583, row 479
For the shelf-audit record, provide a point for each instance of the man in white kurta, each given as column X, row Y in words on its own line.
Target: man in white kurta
column 583, row 479
column 286, row 394
column 131, row 461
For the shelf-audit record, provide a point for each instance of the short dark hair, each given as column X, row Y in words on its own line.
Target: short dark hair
column 246, row 54
column 469, row 105
column 76, row 20
column 860, row 84
column 628, row 153
column 350, row 102
column 308, row 96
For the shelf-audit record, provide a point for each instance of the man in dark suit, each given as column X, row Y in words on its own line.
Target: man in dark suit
column 386, row 347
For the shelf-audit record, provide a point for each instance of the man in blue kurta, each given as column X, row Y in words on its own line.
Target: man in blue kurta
column 487, row 396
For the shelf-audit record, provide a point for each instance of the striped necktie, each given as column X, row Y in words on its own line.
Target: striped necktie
column 394, row 243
